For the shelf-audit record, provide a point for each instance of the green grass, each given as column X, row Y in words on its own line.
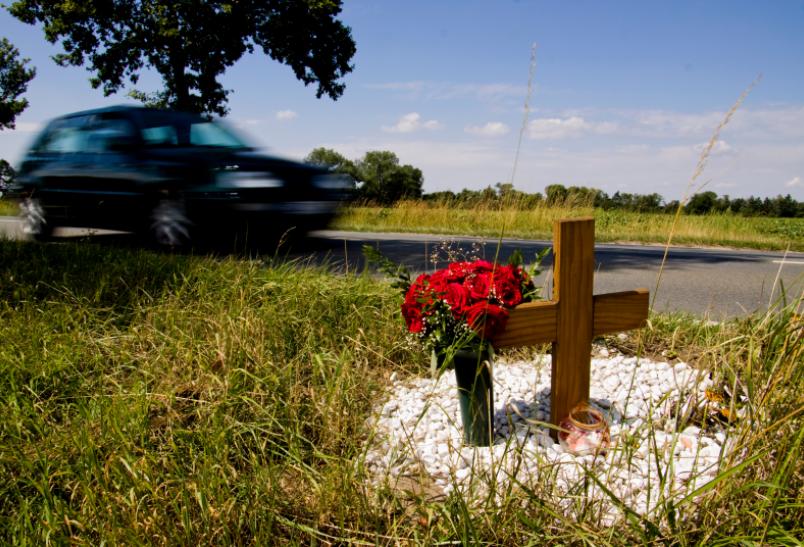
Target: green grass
column 537, row 223
column 157, row 399
column 8, row 208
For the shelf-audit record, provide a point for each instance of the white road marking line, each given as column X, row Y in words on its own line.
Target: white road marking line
column 785, row 262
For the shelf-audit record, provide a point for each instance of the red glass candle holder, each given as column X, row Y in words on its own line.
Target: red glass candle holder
column 584, row 431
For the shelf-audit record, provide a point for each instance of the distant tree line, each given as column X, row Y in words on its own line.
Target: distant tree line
column 382, row 180
column 582, row 196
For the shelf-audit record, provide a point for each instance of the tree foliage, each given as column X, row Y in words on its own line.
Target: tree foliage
column 502, row 194
column 14, row 78
column 6, row 174
column 385, row 181
column 381, row 178
column 334, row 160
column 700, row 204
column 505, row 195
column 639, row 203
column 190, row 43
column 556, row 194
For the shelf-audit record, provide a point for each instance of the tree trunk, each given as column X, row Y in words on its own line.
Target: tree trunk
column 180, row 85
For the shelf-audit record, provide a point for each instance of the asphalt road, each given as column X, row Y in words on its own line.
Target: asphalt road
column 715, row 283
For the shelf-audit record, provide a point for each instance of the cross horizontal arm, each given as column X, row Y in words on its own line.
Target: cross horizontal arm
column 619, row 311
column 529, row 324
column 535, row 322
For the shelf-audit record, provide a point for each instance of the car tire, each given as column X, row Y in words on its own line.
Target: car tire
column 169, row 226
column 34, row 220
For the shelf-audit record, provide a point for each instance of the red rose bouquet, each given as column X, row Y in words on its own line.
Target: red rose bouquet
column 465, row 304
column 456, row 312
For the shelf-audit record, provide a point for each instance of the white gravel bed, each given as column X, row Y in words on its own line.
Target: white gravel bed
column 419, row 435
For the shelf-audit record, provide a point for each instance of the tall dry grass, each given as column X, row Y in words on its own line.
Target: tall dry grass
column 536, row 222
column 163, row 400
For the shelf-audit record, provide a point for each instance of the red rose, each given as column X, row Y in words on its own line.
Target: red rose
column 457, row 271
column 507, row 286
column 486, row 319
column 438, row 282
column 479, row 266
column 478, row 285
column 420, row 284
column 417, row 298
column 419, row 290
column 413, row 316
column 457, row 297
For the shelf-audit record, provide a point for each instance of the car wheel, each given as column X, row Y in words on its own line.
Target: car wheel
column 170, row 227
column 34, row 221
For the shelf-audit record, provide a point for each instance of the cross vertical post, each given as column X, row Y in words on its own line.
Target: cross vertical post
column 573, row 270
column 573, row 317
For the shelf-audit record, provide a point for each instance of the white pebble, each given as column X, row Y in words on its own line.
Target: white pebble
column 419, row 429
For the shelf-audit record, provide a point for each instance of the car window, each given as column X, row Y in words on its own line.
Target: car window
column 65, row 137
column 212, row 134
column 105, row 133
column 160, row 135
column 165, row 128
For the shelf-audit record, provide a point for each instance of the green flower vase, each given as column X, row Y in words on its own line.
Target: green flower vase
column 476, row 396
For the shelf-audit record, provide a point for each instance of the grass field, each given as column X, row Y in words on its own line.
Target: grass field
column 711, row 230
column 8, row 208
column 157, row 399
column 715, row 230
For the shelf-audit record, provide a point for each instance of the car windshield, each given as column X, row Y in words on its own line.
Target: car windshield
column 175, row 129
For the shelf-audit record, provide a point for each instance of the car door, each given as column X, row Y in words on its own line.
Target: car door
column 110, row 179
column 55, row 163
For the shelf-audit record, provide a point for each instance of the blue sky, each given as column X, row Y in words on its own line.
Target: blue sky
column 626, row 94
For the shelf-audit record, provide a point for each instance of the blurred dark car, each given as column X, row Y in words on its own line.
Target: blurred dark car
column 169, row 175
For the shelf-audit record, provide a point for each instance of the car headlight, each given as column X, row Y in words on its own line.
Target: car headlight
column 248, row 179
column 334, row 181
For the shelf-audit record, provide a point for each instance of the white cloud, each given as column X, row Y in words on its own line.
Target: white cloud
column 564, row 128
column 760, row 152
column 720, row 147
column 633, row 148
column 725, row 186
column 498, row 90
column 399, row 86
column 442, row 160
column 491, row 129
column 449, row 91
column 778, row 123
column 553, row 152
column 286, row 115
column 557, row 128
column 431, row 124
column 782, row 123
column 411, row 122
column 662, row 123
column 644, row 168
column 605, row 128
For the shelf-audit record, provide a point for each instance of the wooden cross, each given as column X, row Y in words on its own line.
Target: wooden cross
column 573, row 316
